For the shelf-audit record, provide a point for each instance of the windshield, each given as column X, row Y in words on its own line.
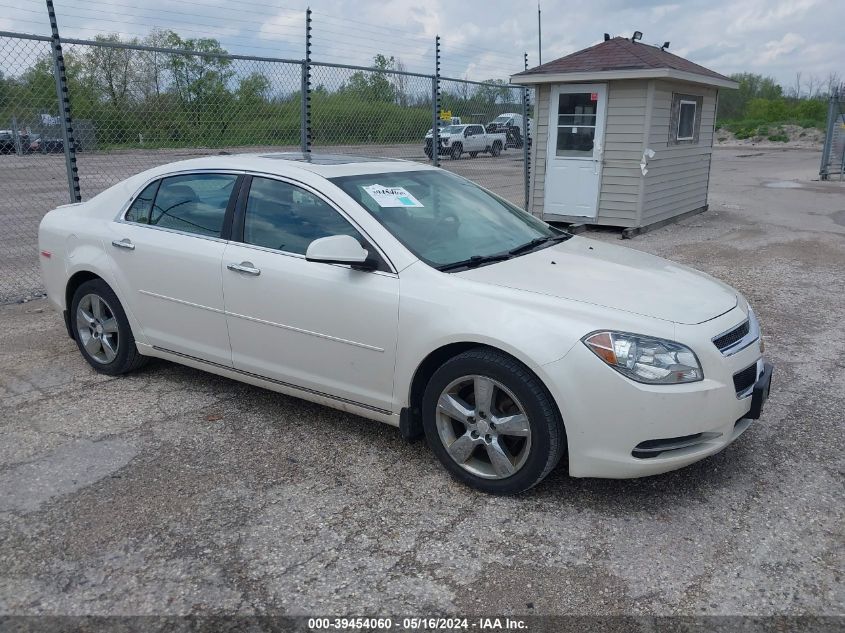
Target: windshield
column 502, row 118
column 443, row 218
column 452, row 129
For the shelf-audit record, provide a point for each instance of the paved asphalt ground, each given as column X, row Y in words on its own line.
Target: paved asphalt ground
column 172, row 491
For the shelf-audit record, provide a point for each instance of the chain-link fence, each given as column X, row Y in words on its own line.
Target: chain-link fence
column 370, row 111
column 491, row 151
column 33, row 178
column 833, row 153
column 134, row 107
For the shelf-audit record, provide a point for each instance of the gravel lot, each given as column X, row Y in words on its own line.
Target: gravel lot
column 172, row 491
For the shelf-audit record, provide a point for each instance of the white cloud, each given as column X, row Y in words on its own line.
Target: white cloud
column 774, row 49
column 282, row 26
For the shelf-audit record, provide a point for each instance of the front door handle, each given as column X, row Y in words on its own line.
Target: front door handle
column 245, row 267
column 124, row 243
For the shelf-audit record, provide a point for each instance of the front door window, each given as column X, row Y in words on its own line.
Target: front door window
column 576, row 124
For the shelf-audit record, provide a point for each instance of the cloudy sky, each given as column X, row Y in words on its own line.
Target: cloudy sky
column 480, row 38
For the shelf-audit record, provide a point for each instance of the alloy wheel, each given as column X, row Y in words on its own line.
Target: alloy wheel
column 97, row 328
column 483, row 427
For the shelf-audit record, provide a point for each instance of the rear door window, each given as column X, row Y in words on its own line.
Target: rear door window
column 140, row 209
column 193, row 203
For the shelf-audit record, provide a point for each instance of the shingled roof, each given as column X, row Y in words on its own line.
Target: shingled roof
column 619, row 56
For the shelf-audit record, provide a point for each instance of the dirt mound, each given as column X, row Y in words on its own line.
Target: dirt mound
column 774, row 135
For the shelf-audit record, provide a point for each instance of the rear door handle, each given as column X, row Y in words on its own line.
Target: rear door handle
column 245, row 267
column 124, row 243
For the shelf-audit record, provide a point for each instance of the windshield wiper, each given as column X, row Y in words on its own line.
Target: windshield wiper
column 519, row 250
column 474, row 261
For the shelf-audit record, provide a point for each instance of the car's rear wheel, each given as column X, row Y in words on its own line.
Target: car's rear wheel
column 492, row 423
column 497, row 148
column 102, row 330
column 473, row 154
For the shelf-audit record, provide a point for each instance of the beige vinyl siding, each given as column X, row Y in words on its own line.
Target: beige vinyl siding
column 627, row 108
column 678, row 175
column 538, row 149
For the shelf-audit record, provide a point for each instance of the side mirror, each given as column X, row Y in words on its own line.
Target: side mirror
column 340, row 249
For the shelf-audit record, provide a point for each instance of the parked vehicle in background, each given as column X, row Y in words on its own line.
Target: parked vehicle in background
column 455, row 140
column 7, row 142
column 455, row 120
column 513, row 126
column 409, row 295
column 34, row 143
column 48, row 145
column 27, row 143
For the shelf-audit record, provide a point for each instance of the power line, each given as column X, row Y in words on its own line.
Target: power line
column 259, row 24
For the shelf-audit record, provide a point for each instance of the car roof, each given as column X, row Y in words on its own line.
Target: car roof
column 284, row 163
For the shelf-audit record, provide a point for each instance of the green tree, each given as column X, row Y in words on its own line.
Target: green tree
column 253, row 89
column 494, row 91
column 376, row 85
column 112, row 69
column 200, row 81
column 733, row 103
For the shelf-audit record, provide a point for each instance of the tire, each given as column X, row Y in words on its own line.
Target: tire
column 456, row 151
column 106, row 342
column 497, row 148
column 473, row 154
column 428, row 153
column 532, row 445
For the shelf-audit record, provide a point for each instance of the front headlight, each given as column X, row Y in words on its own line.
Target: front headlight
column 645, row 359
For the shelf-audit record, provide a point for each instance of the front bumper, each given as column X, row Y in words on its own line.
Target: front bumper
column 443, row 150
column 618, row 428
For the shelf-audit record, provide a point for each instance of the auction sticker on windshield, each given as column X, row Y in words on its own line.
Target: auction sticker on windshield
column 392, row 196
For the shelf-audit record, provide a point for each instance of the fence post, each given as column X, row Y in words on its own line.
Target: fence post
column 526, row 135
column 16, row 136
column 526, row 150
column 824, row 169
column 435, row 105
column 305, row 100
column 64, row 107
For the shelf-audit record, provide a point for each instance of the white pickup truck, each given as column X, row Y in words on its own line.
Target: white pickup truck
column 472, row 139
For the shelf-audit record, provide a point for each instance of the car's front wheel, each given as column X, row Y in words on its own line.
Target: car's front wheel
column 492, row 423
column 456, row 151
column 102, row 330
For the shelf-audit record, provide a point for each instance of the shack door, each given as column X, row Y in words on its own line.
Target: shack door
column 575, row 148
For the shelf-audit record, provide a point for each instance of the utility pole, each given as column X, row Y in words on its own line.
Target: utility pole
column 539, row 35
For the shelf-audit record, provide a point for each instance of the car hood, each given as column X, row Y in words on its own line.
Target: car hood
column 614, row 277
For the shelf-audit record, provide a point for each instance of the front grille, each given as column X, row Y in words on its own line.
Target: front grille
column 729, row 338
column 745, row 379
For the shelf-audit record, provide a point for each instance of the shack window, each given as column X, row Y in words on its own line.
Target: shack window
column 685, row 119
column 576, row 124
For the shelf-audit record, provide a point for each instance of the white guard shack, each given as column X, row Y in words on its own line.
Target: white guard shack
column 624, row 135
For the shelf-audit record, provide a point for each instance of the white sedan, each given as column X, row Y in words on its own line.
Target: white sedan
column 411, row 296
